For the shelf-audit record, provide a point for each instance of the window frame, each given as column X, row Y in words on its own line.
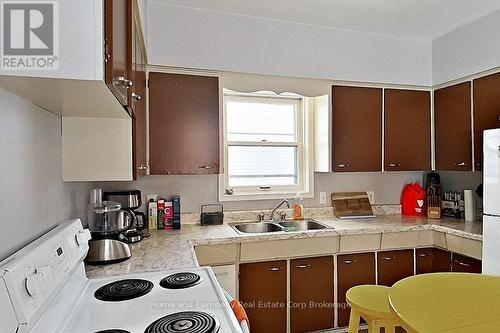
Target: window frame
column 304, row 151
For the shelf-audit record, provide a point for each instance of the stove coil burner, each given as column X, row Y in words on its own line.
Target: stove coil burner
column 113, row 331
column 186, row 322
column 180, row 280
column 123, row 290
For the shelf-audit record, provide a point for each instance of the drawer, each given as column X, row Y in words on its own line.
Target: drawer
column 439, row 239
column 468, row 247
column 216, row 254
column 395, row 240
column 289, row 248
column 357, row 243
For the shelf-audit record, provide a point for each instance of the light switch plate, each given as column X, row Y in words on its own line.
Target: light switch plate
column 371, row 196
column 322, row 197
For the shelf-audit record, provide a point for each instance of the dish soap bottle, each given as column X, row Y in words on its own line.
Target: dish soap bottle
column 298, row 208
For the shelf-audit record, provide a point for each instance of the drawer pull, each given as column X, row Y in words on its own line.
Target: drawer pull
column 393, row 165
column 343, row 165
column 388, row 258
column 462, row 263
column 273, row 269
column 303, row 266
column 423, row 255
column 349, row 261
column 207, row 167
column 460, row 164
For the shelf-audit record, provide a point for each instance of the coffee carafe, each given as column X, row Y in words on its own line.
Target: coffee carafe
column 107, row 223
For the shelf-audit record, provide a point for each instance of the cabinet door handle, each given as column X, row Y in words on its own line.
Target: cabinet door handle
column 136, row 97
column 349, row 261
column 343, row 165
column 273, row 269
column 423, row 254
column 393, row 165
column 303, row 266
column 462, row 263
column 388, row 258
column 206, row 167
column 460, row 164
column 125, row 82
column 143, row 167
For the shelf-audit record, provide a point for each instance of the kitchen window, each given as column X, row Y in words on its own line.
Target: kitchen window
column 266, row 146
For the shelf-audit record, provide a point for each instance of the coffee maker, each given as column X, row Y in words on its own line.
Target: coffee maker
column 131, row 201
column 107, row 221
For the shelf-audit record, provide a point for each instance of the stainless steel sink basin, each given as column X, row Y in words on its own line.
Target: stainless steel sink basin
column 303, row 225
column 257, row 228
column 286, row 226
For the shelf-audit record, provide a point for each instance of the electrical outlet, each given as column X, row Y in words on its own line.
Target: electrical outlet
column 371, row 196
column 322, row 197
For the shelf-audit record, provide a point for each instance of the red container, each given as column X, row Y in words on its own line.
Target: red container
column 413, row 200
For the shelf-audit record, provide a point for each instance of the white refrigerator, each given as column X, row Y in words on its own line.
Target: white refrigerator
column 491, row 202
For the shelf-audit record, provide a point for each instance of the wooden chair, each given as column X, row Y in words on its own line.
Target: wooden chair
column 372, row 304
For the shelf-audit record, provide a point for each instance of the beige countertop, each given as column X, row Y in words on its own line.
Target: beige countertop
column 174, row 249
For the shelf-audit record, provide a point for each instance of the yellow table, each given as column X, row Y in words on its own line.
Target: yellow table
column 447, row 302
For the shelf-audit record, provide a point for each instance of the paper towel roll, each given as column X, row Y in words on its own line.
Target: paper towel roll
column 469, row 205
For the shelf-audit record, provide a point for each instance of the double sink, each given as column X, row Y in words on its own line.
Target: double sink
column 282, row 226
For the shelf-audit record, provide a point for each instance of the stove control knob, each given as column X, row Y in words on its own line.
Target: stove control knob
column 34, row 284
column 82, row 237
column 46, row 272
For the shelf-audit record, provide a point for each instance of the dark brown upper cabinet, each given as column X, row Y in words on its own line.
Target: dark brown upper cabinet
column 452, row 119
column 263, row 292
column 352, row 270
column 394, row 266
column 356, row 129
column 137, row 102
column 183, row 124
column 311, row 284
column 407, row 130
column 118, row 45
column 486, row 91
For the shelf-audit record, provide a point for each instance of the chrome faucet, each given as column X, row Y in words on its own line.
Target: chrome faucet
column 279, row 205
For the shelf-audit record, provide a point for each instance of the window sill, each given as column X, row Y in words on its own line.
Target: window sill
column 261, row 196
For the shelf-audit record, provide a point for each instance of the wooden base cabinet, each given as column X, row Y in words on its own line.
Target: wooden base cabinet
column 311, row 294
column 352, row 270
column 433, row 260
column 393, row 266
column 263, row 293
column 463, row 264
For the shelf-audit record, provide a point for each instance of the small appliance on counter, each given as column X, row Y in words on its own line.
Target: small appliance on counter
column 130, row 201
column 107, row 223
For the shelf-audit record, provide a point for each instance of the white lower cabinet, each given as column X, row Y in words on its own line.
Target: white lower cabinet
column 226, row 275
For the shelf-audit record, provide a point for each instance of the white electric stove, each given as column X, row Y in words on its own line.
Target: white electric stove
column 43, row 289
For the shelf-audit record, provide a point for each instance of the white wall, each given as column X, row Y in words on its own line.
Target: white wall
column 33, row 197
column 468, row 50
column 187, row 37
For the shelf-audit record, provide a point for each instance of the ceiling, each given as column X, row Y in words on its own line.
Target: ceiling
column 418, row 18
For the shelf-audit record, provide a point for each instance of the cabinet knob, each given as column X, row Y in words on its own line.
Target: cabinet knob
column 343, row 165
column 125, row 82
column 393, row 165
column 207, row 167
column 136, row 97
column 460, row 164
column 143, row 167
